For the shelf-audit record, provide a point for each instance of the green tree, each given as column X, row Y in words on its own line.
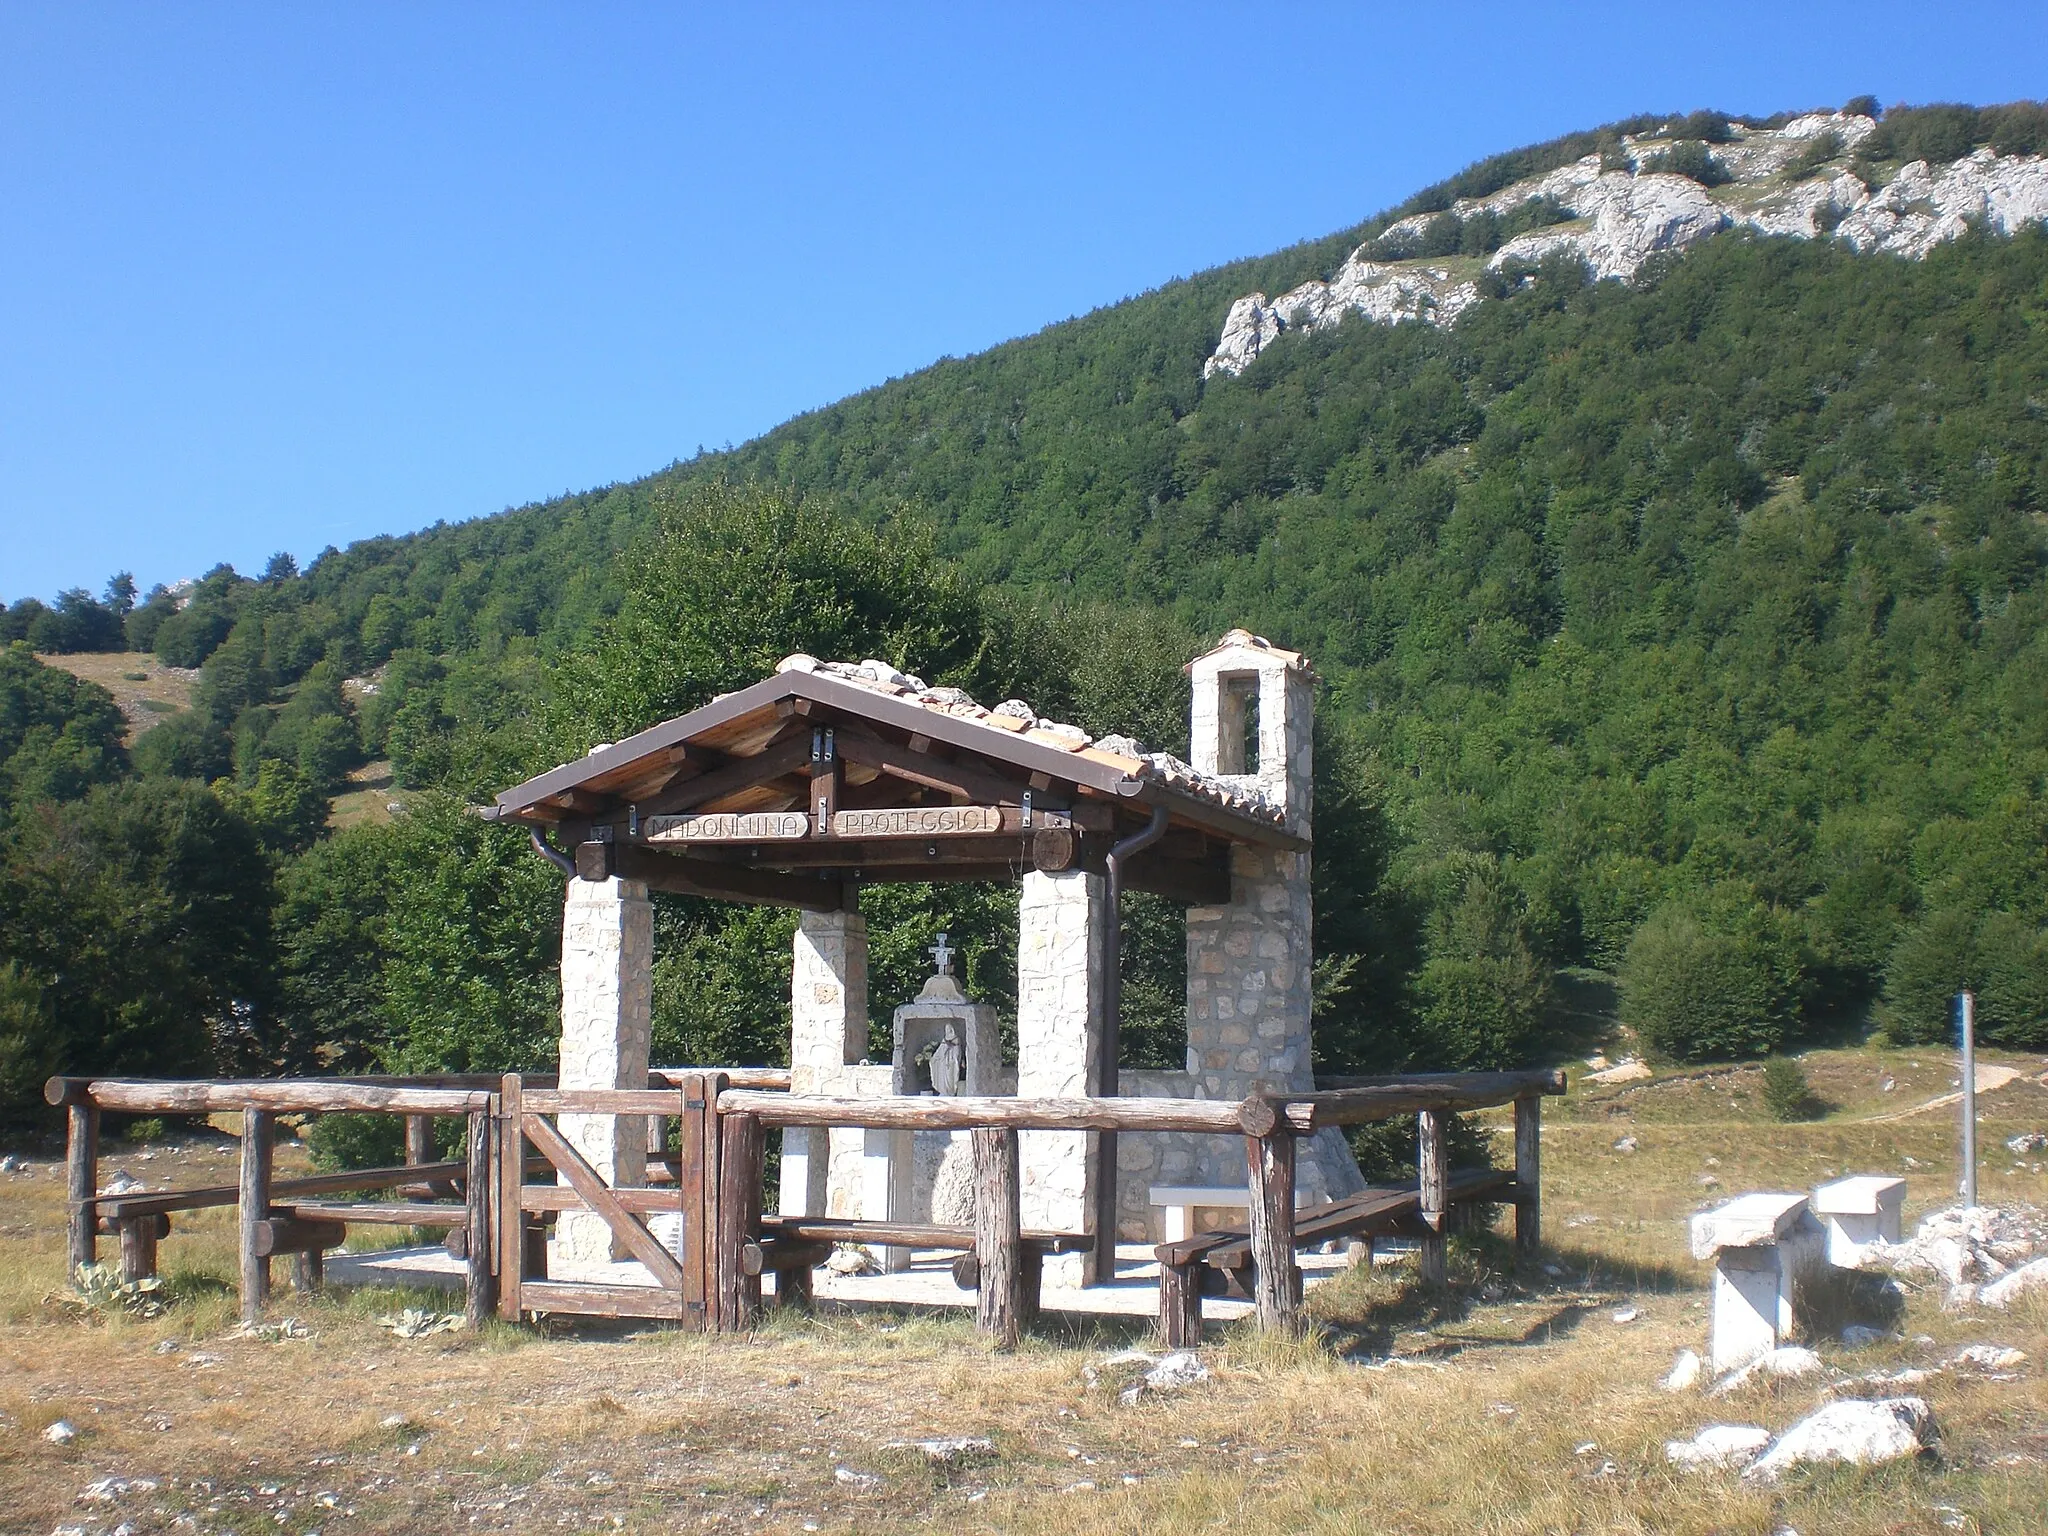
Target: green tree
column 146, row 906
column 1696, row 995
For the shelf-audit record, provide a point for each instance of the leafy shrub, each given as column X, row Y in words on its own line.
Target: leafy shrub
column 1692, row 158
column 1695, row 995
column 1944, row 131
column 1787, row 1094
column 1999, row 956
column 1708, row 127
column 1819, row 150
column 1863, row 106
column 356, row 1141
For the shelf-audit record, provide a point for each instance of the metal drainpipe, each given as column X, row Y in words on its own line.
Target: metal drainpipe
column 553, row 855
column 1112, row 1032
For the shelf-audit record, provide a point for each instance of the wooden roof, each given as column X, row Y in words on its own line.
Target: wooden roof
column 842, row 745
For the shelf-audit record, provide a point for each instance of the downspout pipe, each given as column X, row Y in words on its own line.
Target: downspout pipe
column 552, row 854
column 1107, row 1059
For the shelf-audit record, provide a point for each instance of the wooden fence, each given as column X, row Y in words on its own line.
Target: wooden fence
column 519, row 1170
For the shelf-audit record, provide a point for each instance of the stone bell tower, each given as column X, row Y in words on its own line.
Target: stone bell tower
column 1252, row 724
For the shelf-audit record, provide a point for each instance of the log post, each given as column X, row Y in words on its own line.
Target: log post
column 479, row 1298
column 1030, row 1283
column 1180, row 1306
column 419, row 1140
column 254, row 1209
column 138, row 1246
column 998, row 1236
column 1528, row 1176
column 1433, row 1168
column 511, row 1176
column 309, row 1271
column 82, row 1176
column 1277, row 1282
column 741, row 1155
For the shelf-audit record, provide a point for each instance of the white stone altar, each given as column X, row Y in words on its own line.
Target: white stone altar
column 1764, row 1247
column 1858, row 1212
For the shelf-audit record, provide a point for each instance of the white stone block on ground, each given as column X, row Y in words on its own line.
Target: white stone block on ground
column 1718, row 1448
column 2028, row 1279
column 1764, row 1246
column 1748, row 1221
column 1856, row 1432
column 1857, row 1212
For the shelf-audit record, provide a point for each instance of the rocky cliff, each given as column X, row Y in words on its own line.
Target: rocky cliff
column 1616, row 211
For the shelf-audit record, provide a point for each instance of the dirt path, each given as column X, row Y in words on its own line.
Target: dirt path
column 1989, row 1077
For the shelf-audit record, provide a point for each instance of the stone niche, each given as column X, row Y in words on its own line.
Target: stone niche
column 942, row 1044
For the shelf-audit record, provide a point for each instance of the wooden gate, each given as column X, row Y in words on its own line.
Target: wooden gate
column 685, row 1287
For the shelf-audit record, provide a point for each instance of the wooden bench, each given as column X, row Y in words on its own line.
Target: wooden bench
column 1217, row 1263
column 801, row 1243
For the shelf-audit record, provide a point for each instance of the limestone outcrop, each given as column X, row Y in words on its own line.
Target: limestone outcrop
column 1616, row 219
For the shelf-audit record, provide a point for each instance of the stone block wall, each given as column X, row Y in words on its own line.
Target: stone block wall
column 607, row 1012
column 1059, row 1044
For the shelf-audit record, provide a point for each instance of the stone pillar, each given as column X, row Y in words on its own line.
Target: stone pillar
column 828, row 1014
column 607, row 1006
column 1060, row 920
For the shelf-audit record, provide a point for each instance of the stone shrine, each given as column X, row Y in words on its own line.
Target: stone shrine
column 829, row 775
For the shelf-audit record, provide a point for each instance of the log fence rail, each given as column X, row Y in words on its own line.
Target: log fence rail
column 495, row 1214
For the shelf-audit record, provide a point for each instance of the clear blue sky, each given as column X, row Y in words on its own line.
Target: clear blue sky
column 280, row 276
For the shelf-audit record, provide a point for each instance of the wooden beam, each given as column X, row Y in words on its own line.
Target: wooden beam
column 967, row 780
column 480, row 1281
column 81, row 1165
column 933, row 1112
column 1528, row 1176
column 591, row 1188
column 254, row 1202
column 1276, row 1279
column 998, row 1236
column 781, row 757
column 1198, row 883
column 1433, row 1159
column 720, row 882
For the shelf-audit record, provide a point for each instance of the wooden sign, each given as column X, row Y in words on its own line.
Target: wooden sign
column 919, row 821
column 729, row 827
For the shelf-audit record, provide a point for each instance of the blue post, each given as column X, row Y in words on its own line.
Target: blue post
column 1966, row 1017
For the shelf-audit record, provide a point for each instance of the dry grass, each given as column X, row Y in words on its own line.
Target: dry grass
column 144, row 687
column 1480, row 1424
column 367, row 801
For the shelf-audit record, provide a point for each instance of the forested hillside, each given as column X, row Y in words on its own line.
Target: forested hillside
column 1693, row 631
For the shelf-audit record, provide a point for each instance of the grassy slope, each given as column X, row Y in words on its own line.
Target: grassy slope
column 660, row 1431
column 145, row 699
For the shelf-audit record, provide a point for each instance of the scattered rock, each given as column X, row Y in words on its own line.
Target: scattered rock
column 1630, row 1071
column 852, row 1259
column 1709, row 1181
column 1626, row 1144
column 122, row 1183
column 106, row 1490
column 1718, row 1448
column 1856, row 1336
column 1685, row 1372
column 1179, row 1370
column 1855, row 1431
column 1789, row 1362
column 63, row 1432
column 860, row 1482
column 1989, row 1357
column 1625, row 1314
column 1887, row 1085
column 1964, row 1246
column 2026, row 1280
column 2029, row 1141
column 948, row 1450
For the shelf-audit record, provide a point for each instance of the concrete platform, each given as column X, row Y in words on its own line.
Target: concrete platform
column 927, row 1283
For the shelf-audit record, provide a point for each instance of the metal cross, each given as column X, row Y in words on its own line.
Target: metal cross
column 942, row 955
